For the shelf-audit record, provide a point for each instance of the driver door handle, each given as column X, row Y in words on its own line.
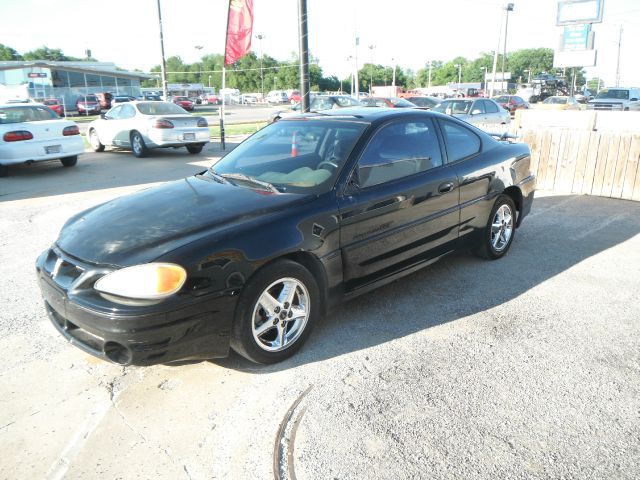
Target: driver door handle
column 445, row 187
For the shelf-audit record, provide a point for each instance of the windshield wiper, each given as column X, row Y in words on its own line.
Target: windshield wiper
column 214, row 176
column 246, row 178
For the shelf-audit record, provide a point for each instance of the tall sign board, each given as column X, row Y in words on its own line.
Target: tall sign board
column 576, row 48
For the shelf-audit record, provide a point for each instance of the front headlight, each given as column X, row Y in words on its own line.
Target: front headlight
column 151, row 281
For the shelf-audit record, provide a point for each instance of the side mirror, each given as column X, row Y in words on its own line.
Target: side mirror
column 103, row 116
column 634, row 100
column 476, row 111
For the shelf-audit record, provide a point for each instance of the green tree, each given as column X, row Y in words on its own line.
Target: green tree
column 595, row 84
column 46, row 53
column 536, row 60
column 7, row 53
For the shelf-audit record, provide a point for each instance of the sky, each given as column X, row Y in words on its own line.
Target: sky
column 408, row 33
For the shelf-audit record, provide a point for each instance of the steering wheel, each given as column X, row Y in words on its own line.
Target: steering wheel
column 327, row 163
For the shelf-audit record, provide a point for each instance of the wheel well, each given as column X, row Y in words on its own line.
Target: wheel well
column 516, row 196
column 311, row 263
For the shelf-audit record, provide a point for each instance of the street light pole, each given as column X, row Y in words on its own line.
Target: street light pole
column 508, row 8
column 430, row 67
column 357, row 81
column 393, row 82
column 163, row 65
column 260, row 37
column 459, row 66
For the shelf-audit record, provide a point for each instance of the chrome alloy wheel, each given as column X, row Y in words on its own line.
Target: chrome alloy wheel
column 93, row 140
column 501, row 228
column 136, row 143
column 280, row 314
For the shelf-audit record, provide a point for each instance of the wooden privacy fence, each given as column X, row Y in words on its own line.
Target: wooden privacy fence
column 582, row 152
column 586, row 162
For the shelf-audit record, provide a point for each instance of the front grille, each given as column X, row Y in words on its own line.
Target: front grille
column 69, row 274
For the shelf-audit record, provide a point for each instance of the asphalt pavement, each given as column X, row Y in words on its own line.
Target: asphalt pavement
column 525, row 367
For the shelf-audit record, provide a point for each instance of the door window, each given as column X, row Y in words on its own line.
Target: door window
column 127, row 111
column 478, row 108
column 460, row 141
column 399, row 150
column 490, row 107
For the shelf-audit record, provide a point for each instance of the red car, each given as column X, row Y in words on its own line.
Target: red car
column 212, row 99
column 55, row 105
column 88, row 104
column 511, row 103
column 184, row 102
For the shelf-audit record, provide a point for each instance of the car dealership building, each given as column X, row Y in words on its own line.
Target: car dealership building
column 66, row 81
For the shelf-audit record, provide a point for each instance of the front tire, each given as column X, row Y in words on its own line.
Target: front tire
column 94, row 141
column 194, row 149
column 69, row 161
column 276, row 312
column 138, row 146
column 497, row 236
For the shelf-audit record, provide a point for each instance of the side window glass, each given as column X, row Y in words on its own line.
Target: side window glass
column 477, row 107
column 490, row 107
column 399, row 150
column 460, row 141
column 127, row 111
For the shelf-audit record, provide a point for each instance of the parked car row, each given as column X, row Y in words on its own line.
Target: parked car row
column 35, row 132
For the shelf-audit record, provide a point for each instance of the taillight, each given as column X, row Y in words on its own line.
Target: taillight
column 17, row 136
column 202, row 122
column 162, row 123
column 71, row 130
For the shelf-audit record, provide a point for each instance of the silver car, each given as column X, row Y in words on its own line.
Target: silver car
column 141, row 126
column 474, row 110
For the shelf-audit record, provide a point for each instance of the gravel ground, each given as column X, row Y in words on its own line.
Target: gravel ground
column 526, row 367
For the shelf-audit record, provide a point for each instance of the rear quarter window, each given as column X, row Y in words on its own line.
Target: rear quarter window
column 459, row 141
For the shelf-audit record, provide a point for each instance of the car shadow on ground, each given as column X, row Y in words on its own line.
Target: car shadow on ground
column 109, row 169
column 561, row 232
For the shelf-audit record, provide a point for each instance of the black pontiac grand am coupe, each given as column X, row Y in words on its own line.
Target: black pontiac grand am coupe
column 307, row 212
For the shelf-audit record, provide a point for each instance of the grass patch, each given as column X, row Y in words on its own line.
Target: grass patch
column 237, row 129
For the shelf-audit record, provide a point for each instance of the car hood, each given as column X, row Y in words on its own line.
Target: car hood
column 143, row 226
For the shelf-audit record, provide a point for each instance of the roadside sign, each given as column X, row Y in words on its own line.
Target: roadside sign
column 579, row 11
column 576, row 37
column 489, row 76
column 37, row 75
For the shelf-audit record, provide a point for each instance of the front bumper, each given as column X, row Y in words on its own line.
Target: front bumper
column 184, row 329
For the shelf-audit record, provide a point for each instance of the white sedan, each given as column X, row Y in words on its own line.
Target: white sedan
column 34, row 133
column 141, row 126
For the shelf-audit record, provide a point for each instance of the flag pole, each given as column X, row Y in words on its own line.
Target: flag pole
column 222, row 94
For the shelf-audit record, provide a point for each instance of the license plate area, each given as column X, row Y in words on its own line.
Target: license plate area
column 53, row 149
column 189, row 136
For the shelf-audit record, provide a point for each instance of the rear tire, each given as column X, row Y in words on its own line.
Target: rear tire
column 69, row 161
column 194, row 149
column 497, row 237
column 276, row 312
column 138, row 146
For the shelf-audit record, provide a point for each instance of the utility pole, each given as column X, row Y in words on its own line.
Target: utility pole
column 356, row 81
column 618, row 63
column 303, row 37
column 430, row 66
column 164, row 63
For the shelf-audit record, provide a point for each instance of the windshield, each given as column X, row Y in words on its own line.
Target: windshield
column 182, row 99
column 401, row 103
column 50, row 102
column 502, row 99
column 298, row 156
column 26, row 114
column 160, row 108
column 451, row 107
column 616, row 94
column 556, row 100
column 90, row 98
